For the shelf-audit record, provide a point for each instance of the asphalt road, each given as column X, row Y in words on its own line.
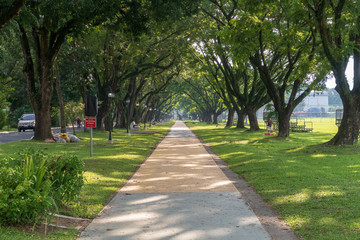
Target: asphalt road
column 13, row 136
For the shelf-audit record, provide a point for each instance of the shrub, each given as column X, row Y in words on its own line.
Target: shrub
column 66, row 175
column 23, row 197
column 33, row 183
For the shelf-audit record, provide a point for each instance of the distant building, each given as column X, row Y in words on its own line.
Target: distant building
column 317, row 101
column 314, row 105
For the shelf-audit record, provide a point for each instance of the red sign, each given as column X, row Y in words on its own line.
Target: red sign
column 90, row 122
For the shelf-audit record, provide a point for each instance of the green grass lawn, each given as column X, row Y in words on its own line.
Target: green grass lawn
column 315, row 189
column 109, row 168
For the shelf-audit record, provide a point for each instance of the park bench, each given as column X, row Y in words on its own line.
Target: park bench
column 134, row 127
column 301, row 125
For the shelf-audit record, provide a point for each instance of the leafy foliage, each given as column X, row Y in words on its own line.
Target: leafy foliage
column 34, row 183
column 73, row 111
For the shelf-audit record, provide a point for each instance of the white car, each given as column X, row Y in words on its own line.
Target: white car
column 27, row 121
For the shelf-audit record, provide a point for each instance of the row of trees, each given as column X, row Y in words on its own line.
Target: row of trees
column 92, row 48
column 278, row 52
column 224, row 54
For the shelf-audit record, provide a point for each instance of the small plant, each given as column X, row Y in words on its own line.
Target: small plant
column 66, row 175
column 33, row 184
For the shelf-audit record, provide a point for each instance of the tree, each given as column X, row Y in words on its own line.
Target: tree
column 242, row 82
column 279, row 42
column 73, row 111
column 214, row 56
column 204, row 97
column 48, row 23
column 127, row 63
column 12, row 88
column 338, row 23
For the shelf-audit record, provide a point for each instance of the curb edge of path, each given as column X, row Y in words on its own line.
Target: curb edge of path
column 269, row 219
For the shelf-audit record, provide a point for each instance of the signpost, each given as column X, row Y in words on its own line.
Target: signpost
column 90, row 122
column 91, row 110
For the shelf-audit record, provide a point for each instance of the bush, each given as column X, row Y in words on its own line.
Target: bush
column 67, row 178
column 33, row 183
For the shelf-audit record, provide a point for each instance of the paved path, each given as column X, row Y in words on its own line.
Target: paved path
column 178, row 193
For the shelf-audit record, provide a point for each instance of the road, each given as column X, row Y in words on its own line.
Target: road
column 6, row 137
column 15, row 136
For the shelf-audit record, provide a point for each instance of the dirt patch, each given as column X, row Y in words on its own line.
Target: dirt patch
column 58, row 223
column 69, row 222
column 277, row 228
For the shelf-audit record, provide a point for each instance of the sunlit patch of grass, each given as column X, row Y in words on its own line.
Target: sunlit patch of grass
column 297, row 221
column 323, row 155
column 327, row 221
column 326, row 191
column 313, row 187
column 302, row 196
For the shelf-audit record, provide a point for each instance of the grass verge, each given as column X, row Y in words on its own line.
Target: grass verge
column 315, row 189
column 109, row 168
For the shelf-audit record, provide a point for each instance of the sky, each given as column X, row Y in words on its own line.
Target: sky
column 349, row 75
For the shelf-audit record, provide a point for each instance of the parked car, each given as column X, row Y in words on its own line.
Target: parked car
column 27, row 121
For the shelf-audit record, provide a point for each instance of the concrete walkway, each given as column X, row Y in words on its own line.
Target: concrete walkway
column 178, row 193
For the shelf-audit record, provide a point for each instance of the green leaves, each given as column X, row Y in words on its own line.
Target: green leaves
column 33, row 183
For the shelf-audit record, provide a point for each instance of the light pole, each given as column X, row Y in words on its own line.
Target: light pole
column 145, row 117
column 127, row 101
column 111, row 97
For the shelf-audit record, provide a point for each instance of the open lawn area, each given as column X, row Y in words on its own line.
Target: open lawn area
column 109, row 168
column 315, row 189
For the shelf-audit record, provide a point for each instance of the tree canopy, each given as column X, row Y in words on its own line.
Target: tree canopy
column 203, row 57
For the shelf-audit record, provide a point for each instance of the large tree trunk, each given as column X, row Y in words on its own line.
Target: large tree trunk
column 241, row 119
column 43, row 119
column 334, row 48
column 208, row 118
column 103, row 111
column 348, row 131
column 42, row 114
column 284, row 124
column 254, row 125
column 39, row 100
column 39, row 85
column 349, row 128
column 230, row 119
